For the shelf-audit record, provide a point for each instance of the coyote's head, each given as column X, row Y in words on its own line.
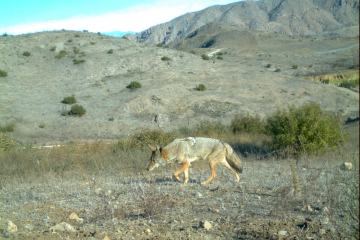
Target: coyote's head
column 155, row 158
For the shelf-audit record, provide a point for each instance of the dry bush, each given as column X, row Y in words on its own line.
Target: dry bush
column 76, row 160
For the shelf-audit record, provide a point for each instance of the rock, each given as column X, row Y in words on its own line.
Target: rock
column 322, row 231
column 11, row 227
column 29, row 227
column 106, row 237
column 148, row 231
column 347, row 166
column 62, row 227
column 282, row 233
column 74, row 216
column 206, row 225
column 307, row 208
column 98, row 191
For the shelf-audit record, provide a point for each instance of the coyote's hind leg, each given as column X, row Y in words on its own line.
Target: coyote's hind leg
column 212, row 175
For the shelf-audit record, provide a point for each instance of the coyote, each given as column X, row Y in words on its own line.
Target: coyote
column 187, row 150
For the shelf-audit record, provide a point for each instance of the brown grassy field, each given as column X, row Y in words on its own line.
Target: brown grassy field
column 108, row 187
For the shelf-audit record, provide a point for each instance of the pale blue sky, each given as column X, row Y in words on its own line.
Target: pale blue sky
column 23, row 16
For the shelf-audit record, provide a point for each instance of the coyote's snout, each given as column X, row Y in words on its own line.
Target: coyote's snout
column 187, row 150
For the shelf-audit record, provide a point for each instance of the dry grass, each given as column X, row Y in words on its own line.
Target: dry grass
column 347, row 78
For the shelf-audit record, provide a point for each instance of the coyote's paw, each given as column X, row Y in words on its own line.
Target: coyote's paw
column 176, row 178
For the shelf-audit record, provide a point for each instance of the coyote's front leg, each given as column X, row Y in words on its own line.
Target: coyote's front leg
column 184, row 168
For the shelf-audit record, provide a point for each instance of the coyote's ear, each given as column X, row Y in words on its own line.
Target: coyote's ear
column 152, row 147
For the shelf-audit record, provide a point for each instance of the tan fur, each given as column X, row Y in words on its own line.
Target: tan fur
column 165, row 154
column 187, row 150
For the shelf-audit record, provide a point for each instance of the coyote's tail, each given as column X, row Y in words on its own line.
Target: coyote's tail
column 233, row 159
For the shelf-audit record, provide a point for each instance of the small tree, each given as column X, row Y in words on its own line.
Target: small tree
column 134, row 85
column 69, row 100
column 3, row 73
column 306, row 129
column 200, row 87
column 247, row 124
column 77, row 110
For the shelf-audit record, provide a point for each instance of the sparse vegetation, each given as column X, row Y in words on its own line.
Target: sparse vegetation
column 76, row 50
column 268, row 65
column 205, row 57
column 69, row 100
column 3, row 73
column 9, row 127
column 306, row 129
column 134, row 85
column 294, row 66
column 200, row 87
column 42, row 125
column 165, row 58
column 6, row 143
column 247, row 124
column 26, row 54
column 110, row 51
column 78, row 61
column 52, row 49
column 92, row 43
column 77, row 110
column 277, row 70
column 346, row 79
column 61, row 54
column 141, row 139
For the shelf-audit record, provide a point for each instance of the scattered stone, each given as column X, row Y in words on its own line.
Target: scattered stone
column 11, row 227
column 74, row 216
column 106, row 237
column 62, row 227
column 347, row 166
column 325, row 221
column 29, row 227
column 307, row 208
column 282, row 233
column 206, row 225
column 98, row 191
column 322, row 231
column 148, row 231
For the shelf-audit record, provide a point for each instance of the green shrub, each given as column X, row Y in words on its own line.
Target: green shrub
column 110, row 51
column 77, row 110
column 52, row 49
column 352, row 83
column 134, row 85
column 10, row 127
column 165, row 58
column 145, row 137
column 210, row 128
column 277, row 70
column 26, row 54
column 61, row 54
column 268, row 65
column 6, row 143
column 294, row 66
column 69, row 100
column 3, row 73
column 306, row 129
column 76, row 50
column 200, row 87
column 219, row 57
column 78, row 61
column 247, row 124
column 205, row 57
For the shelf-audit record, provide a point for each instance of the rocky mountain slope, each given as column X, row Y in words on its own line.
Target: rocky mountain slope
column 291, row 17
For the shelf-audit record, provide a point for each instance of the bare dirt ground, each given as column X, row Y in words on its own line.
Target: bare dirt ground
column 275, row 199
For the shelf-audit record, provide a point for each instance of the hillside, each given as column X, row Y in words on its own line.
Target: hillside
column 290, row 17
column 255, row 80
